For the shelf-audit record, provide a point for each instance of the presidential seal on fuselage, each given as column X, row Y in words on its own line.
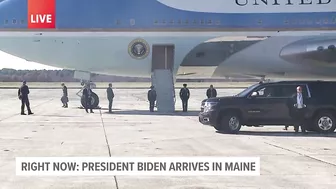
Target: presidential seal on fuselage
column 138, row 49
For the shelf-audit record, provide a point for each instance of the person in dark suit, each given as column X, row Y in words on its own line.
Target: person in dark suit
column 64, row 98
column 297, row 109
column 87, row 92
column 184, row 95
column 151, row 96
column 211, row 92
column 110, row 96
column 23, row 96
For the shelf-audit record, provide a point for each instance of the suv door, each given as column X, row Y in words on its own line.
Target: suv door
column 288, row 91
column 270, row 106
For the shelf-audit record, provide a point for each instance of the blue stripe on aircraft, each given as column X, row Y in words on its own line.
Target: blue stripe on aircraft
column 116, row 14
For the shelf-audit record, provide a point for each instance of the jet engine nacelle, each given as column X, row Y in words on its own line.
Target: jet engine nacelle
column 319, row 52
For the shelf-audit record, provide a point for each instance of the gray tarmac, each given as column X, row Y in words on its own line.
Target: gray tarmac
column 287, row 160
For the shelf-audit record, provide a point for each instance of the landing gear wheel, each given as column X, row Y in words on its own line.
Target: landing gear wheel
column 324, row 123
column 94, row 101
column 230, row 124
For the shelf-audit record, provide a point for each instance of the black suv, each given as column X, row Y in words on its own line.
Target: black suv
column 267, row 104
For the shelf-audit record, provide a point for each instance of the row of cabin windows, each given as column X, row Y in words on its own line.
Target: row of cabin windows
column 209, row 22
column 14, row 21
column 218, row 22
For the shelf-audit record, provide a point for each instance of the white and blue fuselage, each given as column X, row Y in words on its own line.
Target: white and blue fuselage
column 95, row 36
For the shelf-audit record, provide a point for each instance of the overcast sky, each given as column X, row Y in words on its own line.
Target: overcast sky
column 9, row 61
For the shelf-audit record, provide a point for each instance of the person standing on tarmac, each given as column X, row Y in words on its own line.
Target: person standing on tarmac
column 184, row 95
column 151, row 98
column 64, row 98
column 110, row 96
column 297, row 109
column 211, row 92
column 87, row 92
column 23, row 96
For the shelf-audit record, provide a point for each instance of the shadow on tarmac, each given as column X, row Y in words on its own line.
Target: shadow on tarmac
column 108, row 109
column 98, row 108
column 283, row 133
column 59, row 115
column 147, row 112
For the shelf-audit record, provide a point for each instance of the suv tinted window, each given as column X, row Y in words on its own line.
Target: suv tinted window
column 247, row 90
column 290, row 90
column 269, row 91
column 280, row 91
column 323, row 89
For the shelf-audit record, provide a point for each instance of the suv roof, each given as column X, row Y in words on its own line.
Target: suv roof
column 297, row 81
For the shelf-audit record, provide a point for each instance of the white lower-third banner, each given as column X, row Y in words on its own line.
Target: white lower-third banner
column 139, row 166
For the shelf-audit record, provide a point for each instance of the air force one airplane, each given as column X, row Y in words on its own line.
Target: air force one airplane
column 293, row 38
column 129, row 37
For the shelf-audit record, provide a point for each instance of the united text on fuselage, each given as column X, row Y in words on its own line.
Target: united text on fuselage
column 283, row 2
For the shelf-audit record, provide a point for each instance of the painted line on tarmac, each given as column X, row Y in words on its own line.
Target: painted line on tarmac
column 108, row 146
column 302, row 154
column 13, row 115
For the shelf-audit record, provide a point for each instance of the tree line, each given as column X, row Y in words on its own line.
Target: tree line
column 12, row 75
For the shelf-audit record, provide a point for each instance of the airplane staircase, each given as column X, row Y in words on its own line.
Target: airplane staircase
column 163, row 82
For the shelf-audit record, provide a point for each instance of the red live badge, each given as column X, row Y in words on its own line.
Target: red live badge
column 41, row 14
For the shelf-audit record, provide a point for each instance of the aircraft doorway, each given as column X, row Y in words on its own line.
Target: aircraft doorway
column 163, row 57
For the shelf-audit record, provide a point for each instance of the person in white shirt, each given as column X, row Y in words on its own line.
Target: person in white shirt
column 297, row 108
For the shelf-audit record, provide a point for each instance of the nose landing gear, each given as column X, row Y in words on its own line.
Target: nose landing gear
column 94, row 99
column 85, row 78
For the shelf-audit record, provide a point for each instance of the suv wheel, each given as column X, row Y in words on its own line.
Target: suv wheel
column 230, row 124
column 325, row 123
